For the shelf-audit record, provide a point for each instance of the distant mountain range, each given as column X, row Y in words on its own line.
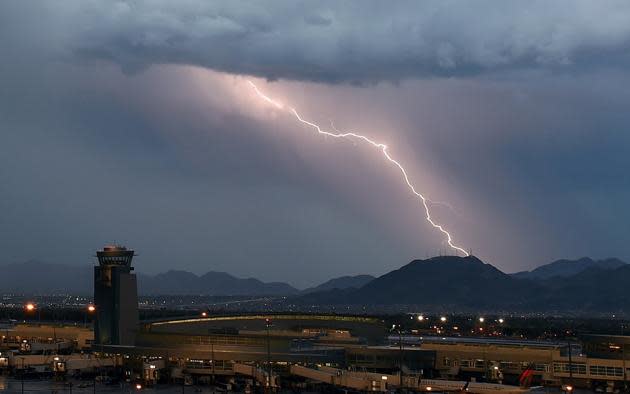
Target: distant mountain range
column 37, row 277
column 210, row 283
column 446, row 283
column 343, row 282
column 565, row 268
column 467, row 284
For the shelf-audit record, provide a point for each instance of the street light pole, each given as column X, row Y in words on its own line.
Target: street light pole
column 22, row 376
column 400, row 364
column 269, row 371
column 625, row 375
column 213, row 361
column 570, row 362
column 88, row 311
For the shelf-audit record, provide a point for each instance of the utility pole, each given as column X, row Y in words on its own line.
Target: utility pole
column 213, row 362
column 400, row 359
column 625, row 375
column 269, row 371
column 623, row 356
column 183, row 375
column 22, row 375
column 570, row 362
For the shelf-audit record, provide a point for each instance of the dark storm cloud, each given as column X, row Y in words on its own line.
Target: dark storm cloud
column 344, row 41
column 528, row 139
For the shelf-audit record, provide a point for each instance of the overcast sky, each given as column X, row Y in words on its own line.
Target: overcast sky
column 133, row 122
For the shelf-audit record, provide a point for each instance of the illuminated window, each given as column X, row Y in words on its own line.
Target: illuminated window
column 576, row 368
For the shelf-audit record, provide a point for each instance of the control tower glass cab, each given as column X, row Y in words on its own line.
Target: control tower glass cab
column 115, row 297
column 115, row 255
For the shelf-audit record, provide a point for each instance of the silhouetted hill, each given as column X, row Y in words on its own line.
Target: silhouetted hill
column 566, row 268
column 449, row 281
column 343, row 282
column 594, row 289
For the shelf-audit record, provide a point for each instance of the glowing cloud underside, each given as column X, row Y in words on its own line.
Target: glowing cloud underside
column 382, row 147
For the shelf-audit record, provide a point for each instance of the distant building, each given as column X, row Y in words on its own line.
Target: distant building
column 115, row 297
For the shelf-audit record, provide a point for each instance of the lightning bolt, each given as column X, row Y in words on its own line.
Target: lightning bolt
column 384, row 150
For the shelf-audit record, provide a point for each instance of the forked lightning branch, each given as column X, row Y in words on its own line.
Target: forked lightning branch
column 384, row 150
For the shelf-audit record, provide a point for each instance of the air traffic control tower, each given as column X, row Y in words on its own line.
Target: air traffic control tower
column 115, row 297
